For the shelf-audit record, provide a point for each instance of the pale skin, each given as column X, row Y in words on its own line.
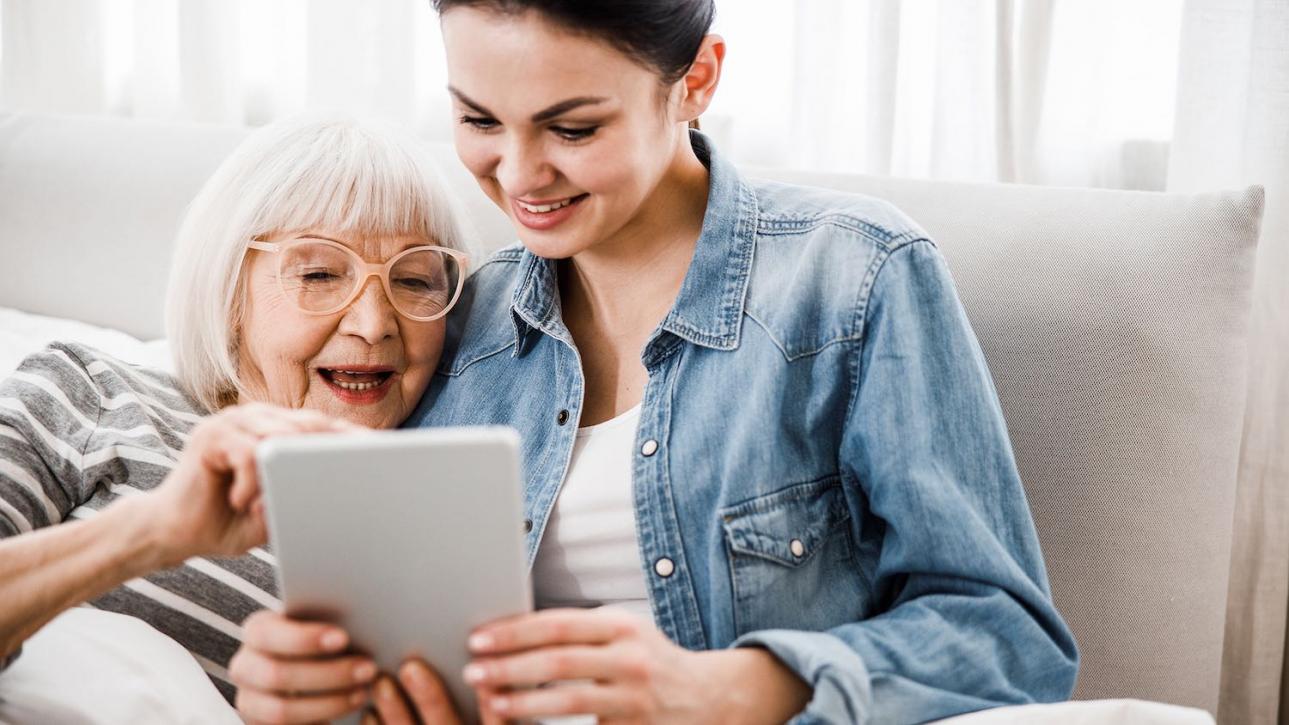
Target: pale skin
column 209, row 504
column 525, row 101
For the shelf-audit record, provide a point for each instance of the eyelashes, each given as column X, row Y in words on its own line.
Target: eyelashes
column 571, row 135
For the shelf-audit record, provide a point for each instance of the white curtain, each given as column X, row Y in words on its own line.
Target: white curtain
column 1073, row 92
column 1070, row 92
column 1233, row 130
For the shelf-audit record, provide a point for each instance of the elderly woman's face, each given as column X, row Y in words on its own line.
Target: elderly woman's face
column 366, row 363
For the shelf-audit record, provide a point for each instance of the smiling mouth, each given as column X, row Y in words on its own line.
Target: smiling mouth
column 548, row 208
column 356, row 381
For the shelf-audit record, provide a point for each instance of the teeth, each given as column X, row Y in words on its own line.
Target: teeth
column 545, row 208
column 355, row 386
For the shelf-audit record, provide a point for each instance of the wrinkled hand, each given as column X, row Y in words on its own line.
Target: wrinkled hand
column 209, row 504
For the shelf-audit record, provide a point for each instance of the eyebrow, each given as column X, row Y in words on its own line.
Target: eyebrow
column 542, row 116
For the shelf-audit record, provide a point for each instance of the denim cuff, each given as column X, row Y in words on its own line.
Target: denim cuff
column 835, row 671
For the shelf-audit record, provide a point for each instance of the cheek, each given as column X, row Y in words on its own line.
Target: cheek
column 477, row 152
column 282, row 359
column 423, row 347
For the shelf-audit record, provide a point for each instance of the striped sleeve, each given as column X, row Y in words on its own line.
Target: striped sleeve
column 49, row 409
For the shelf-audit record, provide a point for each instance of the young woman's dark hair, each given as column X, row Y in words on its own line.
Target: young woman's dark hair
column 662, row 34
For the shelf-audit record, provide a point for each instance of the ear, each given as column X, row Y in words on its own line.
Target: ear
column 700, row 81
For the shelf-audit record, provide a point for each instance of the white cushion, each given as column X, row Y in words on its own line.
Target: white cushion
column 22, row 333
column 91, row 667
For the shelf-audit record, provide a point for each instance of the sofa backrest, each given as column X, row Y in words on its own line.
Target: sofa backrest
column 1114, row 324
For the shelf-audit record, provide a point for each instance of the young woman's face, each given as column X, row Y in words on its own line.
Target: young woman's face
column 365, row 363
column 568, row 135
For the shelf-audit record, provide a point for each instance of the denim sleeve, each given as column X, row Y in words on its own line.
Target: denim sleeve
column 970, row 622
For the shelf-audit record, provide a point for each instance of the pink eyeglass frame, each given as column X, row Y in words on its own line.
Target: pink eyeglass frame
column 369, row 270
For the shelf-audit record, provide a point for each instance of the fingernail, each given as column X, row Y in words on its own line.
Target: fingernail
column 359, row 697
column 364, row 672
column 385, row 690
column 473, row 674
column 412, row 674
column 499, row 704
column 334, row 639
column 480, row 641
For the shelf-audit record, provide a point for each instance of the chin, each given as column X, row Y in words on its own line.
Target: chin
column 552, row 245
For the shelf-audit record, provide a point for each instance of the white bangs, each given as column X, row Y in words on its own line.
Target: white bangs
column 350, row 179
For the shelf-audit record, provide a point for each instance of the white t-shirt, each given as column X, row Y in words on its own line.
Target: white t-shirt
column 589, row 555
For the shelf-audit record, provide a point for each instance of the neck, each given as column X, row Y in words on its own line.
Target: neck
column 628, row 283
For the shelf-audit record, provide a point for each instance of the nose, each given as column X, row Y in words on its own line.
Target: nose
column 522, row 169
column 371, row 316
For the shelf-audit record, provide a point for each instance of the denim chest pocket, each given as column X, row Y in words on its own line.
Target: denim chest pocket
column 792, row 561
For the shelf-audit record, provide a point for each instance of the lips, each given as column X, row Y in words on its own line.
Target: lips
column 359, row 385
column 546, row 214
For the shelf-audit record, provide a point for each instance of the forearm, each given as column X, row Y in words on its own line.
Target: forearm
column 47, row 571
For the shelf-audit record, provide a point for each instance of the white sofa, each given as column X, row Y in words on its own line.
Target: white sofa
column 1114, row 322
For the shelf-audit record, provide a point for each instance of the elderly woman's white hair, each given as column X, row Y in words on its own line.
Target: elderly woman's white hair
column 342, row 175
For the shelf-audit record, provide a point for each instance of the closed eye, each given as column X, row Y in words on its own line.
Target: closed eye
column 574, row 134
column 481, row 123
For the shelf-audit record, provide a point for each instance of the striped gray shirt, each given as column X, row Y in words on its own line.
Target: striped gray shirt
column 79, row 429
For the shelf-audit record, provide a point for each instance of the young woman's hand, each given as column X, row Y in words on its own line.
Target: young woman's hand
column 621, row 668
column 209, row 504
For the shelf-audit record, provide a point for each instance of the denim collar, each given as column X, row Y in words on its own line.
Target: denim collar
column 709, row 309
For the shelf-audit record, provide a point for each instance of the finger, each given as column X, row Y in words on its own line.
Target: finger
column 568, row 699
column 251, row 668
column 487, row 716
column 246, row 476
column 273, row 633
column 549, row 664
column 427, row 692
column 226, row 450
column 553, row 627
column 390, row 705
column 267, row 707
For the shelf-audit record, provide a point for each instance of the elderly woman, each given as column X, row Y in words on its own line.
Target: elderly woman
column 311, row 278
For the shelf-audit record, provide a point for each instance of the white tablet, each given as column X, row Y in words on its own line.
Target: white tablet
column 408, row 539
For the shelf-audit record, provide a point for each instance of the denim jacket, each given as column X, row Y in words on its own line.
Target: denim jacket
column 821, row 466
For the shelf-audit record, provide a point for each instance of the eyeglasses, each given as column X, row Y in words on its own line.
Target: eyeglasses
column 323, row 277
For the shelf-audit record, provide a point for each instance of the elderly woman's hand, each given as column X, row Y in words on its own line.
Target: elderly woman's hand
column 209, row 504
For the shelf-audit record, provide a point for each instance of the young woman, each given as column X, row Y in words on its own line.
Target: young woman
column 753, row 413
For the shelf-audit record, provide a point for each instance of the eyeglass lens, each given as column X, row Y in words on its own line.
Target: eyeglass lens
column 321, row 278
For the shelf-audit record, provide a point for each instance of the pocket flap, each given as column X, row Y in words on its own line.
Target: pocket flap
column 788, row 526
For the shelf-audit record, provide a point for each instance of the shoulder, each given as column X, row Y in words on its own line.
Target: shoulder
column 817, row 257
column 481, row 323
column 786, row 210
column 74, row 375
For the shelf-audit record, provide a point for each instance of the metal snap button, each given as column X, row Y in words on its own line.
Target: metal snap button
column 528, row 525
column 664, row 567
column 798, row 548
column 649, row 448
column 562, row 417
